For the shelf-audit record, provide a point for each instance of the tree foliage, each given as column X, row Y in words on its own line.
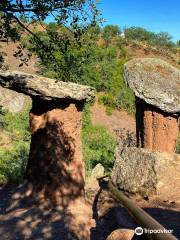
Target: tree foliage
column 98, row 144
column 18, row 17
column 162, row 39
column 110, row 31
column 14, row 156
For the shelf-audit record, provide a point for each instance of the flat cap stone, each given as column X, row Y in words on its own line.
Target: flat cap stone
column 155, row 81
column 45, row 88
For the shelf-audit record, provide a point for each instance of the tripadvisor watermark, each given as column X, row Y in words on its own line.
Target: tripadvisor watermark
column 140, row 231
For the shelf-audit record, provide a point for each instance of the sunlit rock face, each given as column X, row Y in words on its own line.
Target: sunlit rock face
column 156, row 85
column 55, row 167
column 147, row 172
column 13, row 101
column 45, row 88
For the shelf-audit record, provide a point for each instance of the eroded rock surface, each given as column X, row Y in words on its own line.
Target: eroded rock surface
column 13, row 101
column 56, row 166
column 156, row 129
column 155, row 81
column 143, row 171
column 45, row 88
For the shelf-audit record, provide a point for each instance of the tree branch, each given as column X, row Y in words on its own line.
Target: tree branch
column 14, row 10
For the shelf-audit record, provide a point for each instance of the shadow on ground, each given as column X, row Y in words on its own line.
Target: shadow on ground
column 21, row 217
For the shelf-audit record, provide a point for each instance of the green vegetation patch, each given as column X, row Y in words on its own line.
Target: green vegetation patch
column 98, row 144
column 14, row 156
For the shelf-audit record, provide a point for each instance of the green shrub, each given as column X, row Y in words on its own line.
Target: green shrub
column 2, row 118
column 178, row 145
column 161, row 39
column 119, row 95
column 17, row 124
column 13, row 162
column 98, row 144
column 13, row 158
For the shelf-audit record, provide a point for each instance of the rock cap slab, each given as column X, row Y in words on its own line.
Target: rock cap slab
column 45, row 88
column 155, row 81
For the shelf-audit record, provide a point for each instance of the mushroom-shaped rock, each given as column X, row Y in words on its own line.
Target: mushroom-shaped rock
column 55, row 168
column 156, row 85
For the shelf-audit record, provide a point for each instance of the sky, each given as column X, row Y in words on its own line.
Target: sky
column 154, row 15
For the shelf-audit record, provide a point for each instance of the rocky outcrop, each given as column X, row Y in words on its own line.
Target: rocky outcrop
column 156, row 85
column 45, row 88
column 13, row 101
column 55, row 168
column 154, row 81
column 147, row 172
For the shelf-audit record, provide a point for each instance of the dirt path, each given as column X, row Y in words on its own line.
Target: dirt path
column 21, row 217
column 119, row 120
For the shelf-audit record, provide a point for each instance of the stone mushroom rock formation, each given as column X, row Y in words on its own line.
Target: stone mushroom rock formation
column 156, row 85
column 55, row 167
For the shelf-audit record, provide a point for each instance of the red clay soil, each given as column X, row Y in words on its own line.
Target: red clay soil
column 119, row 121
column 14, row 62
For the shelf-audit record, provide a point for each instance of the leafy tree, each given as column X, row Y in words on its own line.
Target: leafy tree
column 76, row 15
column 162, row 39
column 110, row 31
column 138, row 33
column 70, row 59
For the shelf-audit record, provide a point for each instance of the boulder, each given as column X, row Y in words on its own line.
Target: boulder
column 146, row 172
column 13, row 101
column 154, row 81
column 98, row 171
column 45, row 88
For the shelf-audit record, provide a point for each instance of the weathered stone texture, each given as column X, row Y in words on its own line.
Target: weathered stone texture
column 13, row 101
column 155, row 81
column 156, row 85
column 56, row 166
column 143, row 171
column 45, row 88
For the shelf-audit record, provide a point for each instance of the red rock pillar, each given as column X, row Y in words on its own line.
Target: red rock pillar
column 156, row 129
column 55, row 167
